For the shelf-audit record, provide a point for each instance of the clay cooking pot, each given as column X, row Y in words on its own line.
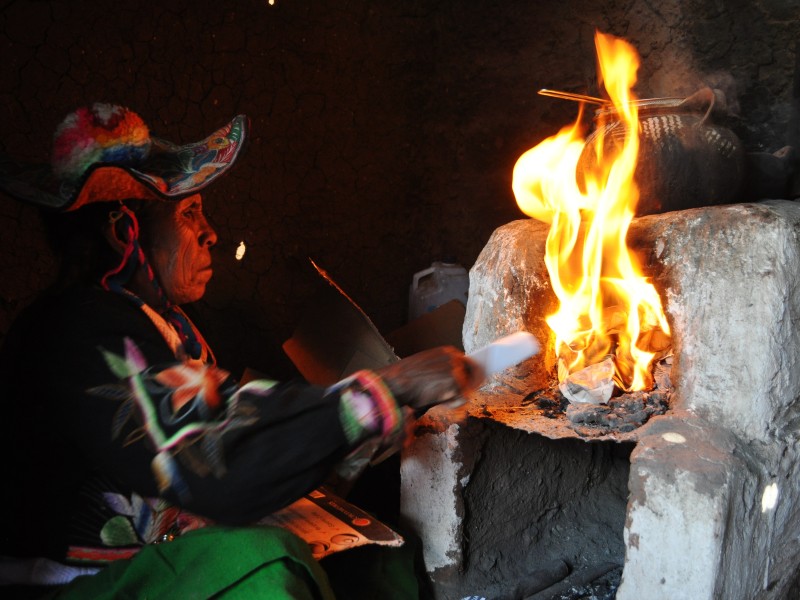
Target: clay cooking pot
column 685, row 159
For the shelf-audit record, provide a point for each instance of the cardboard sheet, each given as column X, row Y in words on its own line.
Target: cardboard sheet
column 335, row 338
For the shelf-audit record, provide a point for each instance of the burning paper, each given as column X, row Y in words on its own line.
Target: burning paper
column 607, row 307
column 593, row 384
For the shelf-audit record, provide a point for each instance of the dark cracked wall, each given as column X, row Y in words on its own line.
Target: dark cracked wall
column 384, row 132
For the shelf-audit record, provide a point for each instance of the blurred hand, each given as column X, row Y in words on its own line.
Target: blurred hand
column 431, row 377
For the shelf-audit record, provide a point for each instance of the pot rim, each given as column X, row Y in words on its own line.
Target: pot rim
column 643, row 104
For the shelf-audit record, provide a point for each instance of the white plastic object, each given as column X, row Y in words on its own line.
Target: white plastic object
column 436, row 285
column 506, row 352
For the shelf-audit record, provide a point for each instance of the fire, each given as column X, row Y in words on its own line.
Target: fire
column 607, row 307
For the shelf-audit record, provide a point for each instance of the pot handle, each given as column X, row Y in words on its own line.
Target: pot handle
column 701, row 98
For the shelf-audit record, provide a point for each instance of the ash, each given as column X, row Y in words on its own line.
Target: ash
column 604, row 588
column 622, row 414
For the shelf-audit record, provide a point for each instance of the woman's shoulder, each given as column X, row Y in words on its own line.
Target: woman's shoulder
column 79, row 319
column 81, row 309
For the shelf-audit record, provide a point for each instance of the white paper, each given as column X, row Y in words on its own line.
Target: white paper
column 591, row 385
column 506, row 352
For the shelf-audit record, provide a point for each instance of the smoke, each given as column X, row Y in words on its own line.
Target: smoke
column 674, row 73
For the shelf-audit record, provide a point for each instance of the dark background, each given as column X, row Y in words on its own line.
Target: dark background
column 384, row 133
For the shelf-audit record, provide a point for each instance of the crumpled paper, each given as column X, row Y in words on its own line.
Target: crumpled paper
column 591, row 385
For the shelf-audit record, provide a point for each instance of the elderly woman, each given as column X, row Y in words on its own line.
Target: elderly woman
column 119, row 428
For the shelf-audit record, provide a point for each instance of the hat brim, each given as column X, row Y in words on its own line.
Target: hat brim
column 170, row 172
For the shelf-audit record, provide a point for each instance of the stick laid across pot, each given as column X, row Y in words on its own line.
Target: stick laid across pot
column 572, row 96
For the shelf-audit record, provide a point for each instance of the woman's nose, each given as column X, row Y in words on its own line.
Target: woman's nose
column 208, row 236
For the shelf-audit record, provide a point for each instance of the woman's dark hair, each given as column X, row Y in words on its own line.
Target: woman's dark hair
column 77, row 240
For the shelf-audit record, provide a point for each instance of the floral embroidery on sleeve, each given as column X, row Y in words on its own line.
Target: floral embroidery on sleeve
column 180, row 410
column 125, row 523
column 370, row 418
column 193, row 381
column 367, row 407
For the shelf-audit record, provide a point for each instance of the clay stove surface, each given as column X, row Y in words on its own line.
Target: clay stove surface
column 509, row 404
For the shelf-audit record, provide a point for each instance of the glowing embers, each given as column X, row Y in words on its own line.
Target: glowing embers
column 610, row 325
column 619, row 415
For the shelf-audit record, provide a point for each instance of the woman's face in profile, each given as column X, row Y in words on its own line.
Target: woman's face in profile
column 178, row 246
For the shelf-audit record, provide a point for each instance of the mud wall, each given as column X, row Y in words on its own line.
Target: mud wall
column 384, row 133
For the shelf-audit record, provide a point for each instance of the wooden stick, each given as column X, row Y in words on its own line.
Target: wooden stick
column 571, row 96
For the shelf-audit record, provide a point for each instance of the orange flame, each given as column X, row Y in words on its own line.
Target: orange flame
column 606, row 305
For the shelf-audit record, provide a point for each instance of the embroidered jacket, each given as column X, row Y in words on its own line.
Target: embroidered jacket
column 110, row 441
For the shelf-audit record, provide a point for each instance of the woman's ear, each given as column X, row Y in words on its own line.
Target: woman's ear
column 112, row 235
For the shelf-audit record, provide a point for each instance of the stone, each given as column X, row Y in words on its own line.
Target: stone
column 697, row 523
column 728, row 275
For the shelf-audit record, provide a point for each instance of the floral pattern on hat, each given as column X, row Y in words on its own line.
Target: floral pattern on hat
column 105, row 153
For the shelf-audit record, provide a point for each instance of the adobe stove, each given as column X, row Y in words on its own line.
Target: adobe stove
column 567, row 480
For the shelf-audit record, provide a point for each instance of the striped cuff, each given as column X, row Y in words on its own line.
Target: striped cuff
column 367, row 407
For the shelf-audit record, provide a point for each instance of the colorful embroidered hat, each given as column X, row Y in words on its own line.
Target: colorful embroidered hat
column 104, row 152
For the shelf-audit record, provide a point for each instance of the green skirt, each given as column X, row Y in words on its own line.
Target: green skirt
column 252, row 562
